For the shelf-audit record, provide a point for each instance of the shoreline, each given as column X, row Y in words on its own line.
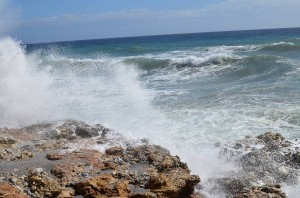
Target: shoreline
column 72, row 159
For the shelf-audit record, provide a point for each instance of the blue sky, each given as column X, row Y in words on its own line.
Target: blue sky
column 56, row 20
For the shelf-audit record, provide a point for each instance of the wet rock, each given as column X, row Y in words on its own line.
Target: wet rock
column 8, row 191
column 42, row 185
column 63, row 171
column 267, row 158
column 86, row 131
column 54, row 156
column 7, row 141
column 24, row 155
column 229, row 185
column 114, row 151
column 266, row 191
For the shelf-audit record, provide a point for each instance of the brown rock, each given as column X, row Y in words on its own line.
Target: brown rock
column 42, row 185
column 103, row 185
column 66, row 194
column 266, row 191
column 54, row 156
column 7, row 141
column 8, row 191
column 114, row 151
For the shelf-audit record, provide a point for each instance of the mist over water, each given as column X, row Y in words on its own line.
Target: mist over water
column 184, row 98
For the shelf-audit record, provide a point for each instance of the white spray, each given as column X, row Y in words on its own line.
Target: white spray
column 23, row 90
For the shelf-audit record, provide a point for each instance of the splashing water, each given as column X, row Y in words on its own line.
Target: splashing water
column 23, row 89
column 182, row 99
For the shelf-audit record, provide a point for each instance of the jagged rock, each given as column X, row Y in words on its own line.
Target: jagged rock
column 103, row 185
column 229, row 185
column 66, row 194
column 114, row 151
column 24, row 155
column 7, row 141
column 8, row 191
column 267, row 158
column 54, row 156
column 68, row 164
column 266, row 191
column 41, row 185
column 86, row 131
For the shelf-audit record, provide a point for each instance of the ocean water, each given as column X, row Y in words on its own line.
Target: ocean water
column 184, row 92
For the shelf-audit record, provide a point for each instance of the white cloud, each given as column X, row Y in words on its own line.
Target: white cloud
column 228, row 15
column 273, row 12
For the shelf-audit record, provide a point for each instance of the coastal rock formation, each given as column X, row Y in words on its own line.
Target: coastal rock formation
column 69, row 158
column 266, row 191
column 268, row 158
column 8, row 191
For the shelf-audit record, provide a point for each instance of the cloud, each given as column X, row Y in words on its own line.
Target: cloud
column 235, row 10
column 227, row 15
column 120, row 15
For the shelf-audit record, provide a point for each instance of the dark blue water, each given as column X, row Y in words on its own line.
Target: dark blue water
column 162, row 43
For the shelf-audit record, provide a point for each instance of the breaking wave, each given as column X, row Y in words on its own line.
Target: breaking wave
column 24, row 90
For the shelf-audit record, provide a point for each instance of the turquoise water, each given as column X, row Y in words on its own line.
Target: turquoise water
column 184, row 92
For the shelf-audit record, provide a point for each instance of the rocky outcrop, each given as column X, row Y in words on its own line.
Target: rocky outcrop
column 9, row 191
column 69, row 158
column 268, row 158
column 266, row 191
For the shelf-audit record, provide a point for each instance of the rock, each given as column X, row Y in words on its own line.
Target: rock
column 283, row 170
column 13, row 180
column 54, row 156
column 42, row 185
column 267, row 158
column 66, row 194
column 114, row 151
column 138, row 171
column 7, row 141
column 8, row 191
column 103, row 185
column 266, row 191
column 86, row 131
column 228, row 185
column 37, row 171
column 24, row 155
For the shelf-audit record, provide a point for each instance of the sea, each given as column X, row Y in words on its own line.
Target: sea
column 184, row 91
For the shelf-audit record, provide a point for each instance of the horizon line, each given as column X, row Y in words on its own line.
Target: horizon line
column 154, row 35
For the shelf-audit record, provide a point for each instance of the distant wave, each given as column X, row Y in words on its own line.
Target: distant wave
column 281, row 46
column 215, row 59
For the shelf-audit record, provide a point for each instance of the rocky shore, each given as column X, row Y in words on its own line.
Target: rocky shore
column 72, row 159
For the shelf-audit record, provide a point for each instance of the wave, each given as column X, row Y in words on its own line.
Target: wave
column 215, row 59
column 281, row 47
column 23, row 88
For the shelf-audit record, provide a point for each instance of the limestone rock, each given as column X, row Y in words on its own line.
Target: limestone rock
column 114, row 151
column 41, row 185
column 262, row 192
column 8, row 191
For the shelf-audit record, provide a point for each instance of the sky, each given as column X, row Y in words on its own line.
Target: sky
column 34, row 21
